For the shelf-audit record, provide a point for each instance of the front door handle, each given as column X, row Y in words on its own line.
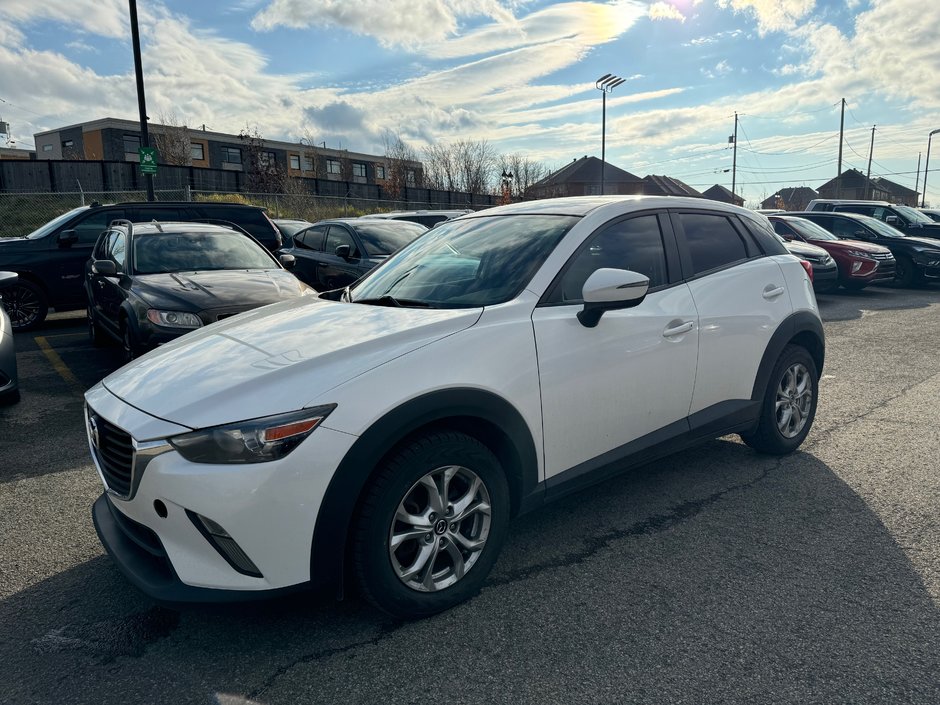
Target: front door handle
column 678, row 330
column 772, row 293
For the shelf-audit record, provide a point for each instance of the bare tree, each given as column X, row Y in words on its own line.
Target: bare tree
column 440, row 169
column 171, row 138
column 264, row 174
column 475, row 163
column 400, row 158
column 312, row 152
column 525, row 172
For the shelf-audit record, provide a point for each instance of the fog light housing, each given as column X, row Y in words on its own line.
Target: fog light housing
column 222, row 542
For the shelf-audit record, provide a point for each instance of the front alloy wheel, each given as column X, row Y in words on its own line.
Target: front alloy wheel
column 440, row 528
column 26, row 305
column 430, row 524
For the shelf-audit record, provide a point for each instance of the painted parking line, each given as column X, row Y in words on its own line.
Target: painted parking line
column 66, row 335
column 59, row 366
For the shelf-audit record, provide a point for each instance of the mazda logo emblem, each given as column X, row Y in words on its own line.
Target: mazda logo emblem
column 441, row 526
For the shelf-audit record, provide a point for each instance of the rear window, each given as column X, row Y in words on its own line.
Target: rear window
column 383, row 238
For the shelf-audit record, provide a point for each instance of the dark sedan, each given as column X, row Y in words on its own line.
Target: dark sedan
column 334, row 253
column 917, row 259
column 150, row 283
column 860, row 263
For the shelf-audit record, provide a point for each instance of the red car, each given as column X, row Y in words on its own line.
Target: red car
column 860, row 263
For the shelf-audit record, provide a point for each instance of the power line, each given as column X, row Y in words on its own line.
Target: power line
column 794, row 151
column 788, row 115
column 6, row 102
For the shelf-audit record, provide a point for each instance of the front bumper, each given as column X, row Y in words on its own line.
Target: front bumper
column 269, row 511
column 825, row 276
column 8, row 375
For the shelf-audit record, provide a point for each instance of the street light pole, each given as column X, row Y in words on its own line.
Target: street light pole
column 923, row 200
column 141, row 101
column 605, row 84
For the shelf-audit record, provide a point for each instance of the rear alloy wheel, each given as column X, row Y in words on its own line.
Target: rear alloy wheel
column 431, row 525
column 26, row 305
column 789, row 404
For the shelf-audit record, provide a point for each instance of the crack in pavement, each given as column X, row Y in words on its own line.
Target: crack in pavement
column 655, row 524
column 827, row 433
column 384, row 632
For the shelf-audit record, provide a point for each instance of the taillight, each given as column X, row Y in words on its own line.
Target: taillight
column 809, row 269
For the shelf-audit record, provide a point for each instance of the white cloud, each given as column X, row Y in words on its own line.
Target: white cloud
column 772, row 15
column 392, row 22
column 79, row 45
column 664, row 11
column 108, row 18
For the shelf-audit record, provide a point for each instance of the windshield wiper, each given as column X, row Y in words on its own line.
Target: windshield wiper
column 388, row 300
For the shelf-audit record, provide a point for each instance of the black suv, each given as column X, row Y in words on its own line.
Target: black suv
column 51, row 260
column 909, row 221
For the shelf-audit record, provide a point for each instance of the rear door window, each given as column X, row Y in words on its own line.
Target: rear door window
column 712, row 240
column 96, row 222
column 311, row 238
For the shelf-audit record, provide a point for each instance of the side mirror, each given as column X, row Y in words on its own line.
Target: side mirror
column 67, row 238
column 342, row 251
column 104, row 268
column 608, row 290
column 287, row 261
column 892, row 220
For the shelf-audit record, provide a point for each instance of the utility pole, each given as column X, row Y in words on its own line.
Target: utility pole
column 141, row 101
column 871, row 150
column 917, row 178
column 734, row 158
column 839, row 167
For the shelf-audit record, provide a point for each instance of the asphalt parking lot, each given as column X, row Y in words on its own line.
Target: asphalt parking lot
column 716, row 575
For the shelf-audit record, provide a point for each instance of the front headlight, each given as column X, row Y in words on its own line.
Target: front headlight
column 859, row 253
column 174, row 319
column 253, row 441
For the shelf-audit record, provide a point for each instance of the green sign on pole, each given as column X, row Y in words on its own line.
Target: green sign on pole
column 148, row 160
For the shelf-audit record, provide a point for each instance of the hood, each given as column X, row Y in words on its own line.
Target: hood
column 204, row 291
column 275, row 359
column 922, row 242
column 858, row 245
column 806, row 251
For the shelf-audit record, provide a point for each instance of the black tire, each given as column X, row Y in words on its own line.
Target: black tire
column 129, row 342
column 768, row 437
column 854, row 286
column 394, row 484
column 96, row 336
column 905, row 274
column 26, row 304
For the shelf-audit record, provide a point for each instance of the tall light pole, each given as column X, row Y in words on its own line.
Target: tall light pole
column 923, row 200
column 605, row 84
column 141, row 101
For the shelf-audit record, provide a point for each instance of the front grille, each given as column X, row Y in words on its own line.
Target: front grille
column 881, row 255
column 115, row 452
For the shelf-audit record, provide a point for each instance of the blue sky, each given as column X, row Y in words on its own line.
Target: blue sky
column 517, row 73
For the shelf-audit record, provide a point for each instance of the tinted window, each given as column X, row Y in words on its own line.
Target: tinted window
column 159, row 213
column 338, row 235
column 845, row 227
column 823, row 221
column 251, row 220
column 468, row 263
column 383, row 238
column 713, row 242
column 781, row 228
column 425, row 220
column 311, row 239
column 863, row 210
column 635, row 244
column 89, row 228
column 811, row 231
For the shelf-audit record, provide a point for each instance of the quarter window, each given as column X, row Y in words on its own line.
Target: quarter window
column 635, row 244
column 712, row 240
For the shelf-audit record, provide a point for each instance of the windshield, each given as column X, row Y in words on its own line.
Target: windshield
column 810, row 230
column 468, row 263
column 912, row 215
column 54, row 223
column 198, row 251
column 383, row 238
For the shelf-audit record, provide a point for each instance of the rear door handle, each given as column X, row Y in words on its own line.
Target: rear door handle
column 772, row 293
column 678, row 330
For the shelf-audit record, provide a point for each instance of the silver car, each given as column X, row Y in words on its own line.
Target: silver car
column 9, row 387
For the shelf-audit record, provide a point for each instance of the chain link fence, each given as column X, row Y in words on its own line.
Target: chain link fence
column 22, row 213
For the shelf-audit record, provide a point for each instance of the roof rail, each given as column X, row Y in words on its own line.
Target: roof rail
column 123, row 221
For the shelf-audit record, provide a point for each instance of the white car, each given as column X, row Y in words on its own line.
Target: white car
column 389, row 431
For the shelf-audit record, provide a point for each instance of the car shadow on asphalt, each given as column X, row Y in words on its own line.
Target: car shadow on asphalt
column 844, row 305
column 738, row 577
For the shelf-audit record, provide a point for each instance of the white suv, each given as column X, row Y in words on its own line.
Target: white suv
column 389, row 431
